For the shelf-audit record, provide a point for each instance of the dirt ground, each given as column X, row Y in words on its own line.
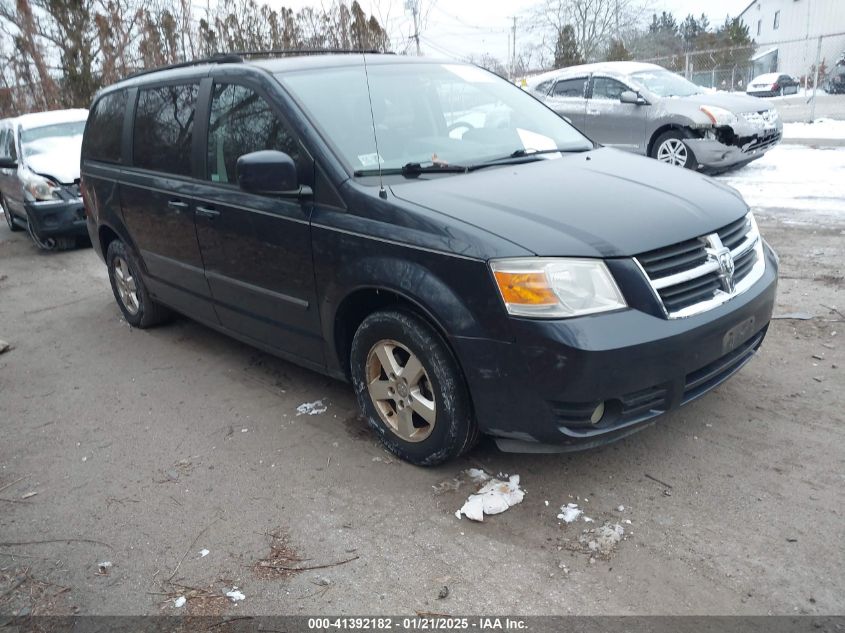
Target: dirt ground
column 147, row 447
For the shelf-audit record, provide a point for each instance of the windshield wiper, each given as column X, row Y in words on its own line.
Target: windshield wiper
column 525, row 155
column 414, row 169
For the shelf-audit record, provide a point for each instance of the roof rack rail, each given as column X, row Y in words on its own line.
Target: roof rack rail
column 309, row 51
column 219, row 58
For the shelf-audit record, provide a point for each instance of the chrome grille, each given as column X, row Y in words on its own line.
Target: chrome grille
column 699, row 274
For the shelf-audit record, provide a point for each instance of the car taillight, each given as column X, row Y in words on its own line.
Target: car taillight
column 774, row 86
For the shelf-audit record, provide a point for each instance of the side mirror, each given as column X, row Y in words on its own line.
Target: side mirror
column 269, row 172
column 629, row 96
column 8, row 163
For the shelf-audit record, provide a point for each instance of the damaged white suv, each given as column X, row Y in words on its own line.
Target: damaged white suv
column 39, row 176
column 646, row 109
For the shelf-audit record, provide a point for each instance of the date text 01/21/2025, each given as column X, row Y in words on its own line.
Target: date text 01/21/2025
column 420, row 623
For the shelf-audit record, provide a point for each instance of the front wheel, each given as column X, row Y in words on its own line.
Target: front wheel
column 8, row 215
column 410, row 389
column 671, row 148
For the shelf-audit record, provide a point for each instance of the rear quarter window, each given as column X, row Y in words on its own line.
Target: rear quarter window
column 104, row 131
column 164, row 124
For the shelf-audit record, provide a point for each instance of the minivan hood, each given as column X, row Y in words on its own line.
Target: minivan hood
column 59, row 160
column 735, row 102
column 603, row 203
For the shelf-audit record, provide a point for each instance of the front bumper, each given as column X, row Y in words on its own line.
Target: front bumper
column 57, row 218
column 713, row 155
column 537, row 393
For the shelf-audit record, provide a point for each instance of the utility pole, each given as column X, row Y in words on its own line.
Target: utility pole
column 413, row 7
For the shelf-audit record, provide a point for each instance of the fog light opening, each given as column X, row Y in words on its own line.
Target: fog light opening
column 598, row 414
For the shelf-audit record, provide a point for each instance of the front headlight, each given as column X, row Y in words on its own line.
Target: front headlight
column 719, row 116
column 556, row 288
column 40, row 188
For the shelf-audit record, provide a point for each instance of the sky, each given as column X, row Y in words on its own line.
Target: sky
column 461, row 28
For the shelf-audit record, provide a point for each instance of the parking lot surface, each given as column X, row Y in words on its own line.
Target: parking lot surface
column 173, row 463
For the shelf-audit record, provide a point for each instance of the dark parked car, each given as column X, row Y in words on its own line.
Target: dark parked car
column 438, row 237
column 772, row 85
column 835, row 83
column 39, row 176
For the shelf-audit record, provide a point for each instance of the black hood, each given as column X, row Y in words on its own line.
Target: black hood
column 604, row 203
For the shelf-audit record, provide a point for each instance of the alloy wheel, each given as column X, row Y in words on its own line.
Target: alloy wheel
column 126, row 286
column 673, row 152
column 401, row 391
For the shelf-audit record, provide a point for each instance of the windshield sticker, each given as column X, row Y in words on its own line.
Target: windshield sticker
column 471, row 74
column 370, row 160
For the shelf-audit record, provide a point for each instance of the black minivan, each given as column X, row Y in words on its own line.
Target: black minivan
column 431, row 233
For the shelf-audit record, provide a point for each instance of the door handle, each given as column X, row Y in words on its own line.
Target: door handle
column 208, row 212
column 177, row 204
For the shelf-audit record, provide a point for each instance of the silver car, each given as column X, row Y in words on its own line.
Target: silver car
column 646, row 109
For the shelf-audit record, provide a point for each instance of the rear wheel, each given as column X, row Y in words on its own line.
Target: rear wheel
column 131, row 294
column 8, row 215
column 671, row 148
column 410, row 388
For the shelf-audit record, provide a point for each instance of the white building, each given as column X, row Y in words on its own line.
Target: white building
column 787, row 33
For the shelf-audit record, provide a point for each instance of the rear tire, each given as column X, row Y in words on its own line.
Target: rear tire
column 8, row 215
column 129, row 290
column 411, row 389
column 671, row 148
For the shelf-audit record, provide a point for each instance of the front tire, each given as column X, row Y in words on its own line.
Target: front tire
column 129, row 290
column 8, row 215
column 411, row 389
column 671, row 148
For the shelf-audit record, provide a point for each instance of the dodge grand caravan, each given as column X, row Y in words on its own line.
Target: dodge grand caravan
column 468, row 260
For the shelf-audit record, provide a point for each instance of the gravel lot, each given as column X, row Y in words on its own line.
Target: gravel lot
column 147, row 447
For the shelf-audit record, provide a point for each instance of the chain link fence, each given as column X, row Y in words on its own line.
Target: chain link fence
column 809, row 60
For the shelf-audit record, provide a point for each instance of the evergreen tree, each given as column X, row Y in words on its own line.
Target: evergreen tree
column 566, row 49
column 617, row 52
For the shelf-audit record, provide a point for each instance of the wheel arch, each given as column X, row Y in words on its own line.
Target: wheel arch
column 683, row 129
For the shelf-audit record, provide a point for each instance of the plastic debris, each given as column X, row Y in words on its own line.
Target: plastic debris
column 180, row 602
column 311, row 408
column 203, row 553
column 620, row 509
column 477, row 476
column 494, row 497
column 29, row 494
column 104, row 567
column 234, row 595
column 569, row 512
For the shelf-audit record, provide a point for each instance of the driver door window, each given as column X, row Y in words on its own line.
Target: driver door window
column 606, row 88
column 242, row 122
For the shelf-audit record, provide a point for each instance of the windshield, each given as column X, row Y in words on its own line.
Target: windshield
column 446, row 114
column 55, row 138
column 666, row 84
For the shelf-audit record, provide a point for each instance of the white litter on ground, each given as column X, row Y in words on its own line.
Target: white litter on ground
column 569, row 512
column 820, row 129
column 311, row 408
column 477, row 476
column 494, row 497
column 106, row 564
column 180, row 602
column 602, row 540
column 235, row 595
column 620, row 509
column 203, row 553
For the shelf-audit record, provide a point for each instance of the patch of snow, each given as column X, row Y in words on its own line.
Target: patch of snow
column 819, row 129
column 311, row 408
column 203, row 553
column 569, row 512
column 794, row 183
column 620, row 509
column 234, row 595
column 494, row 497
column 180, row 602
